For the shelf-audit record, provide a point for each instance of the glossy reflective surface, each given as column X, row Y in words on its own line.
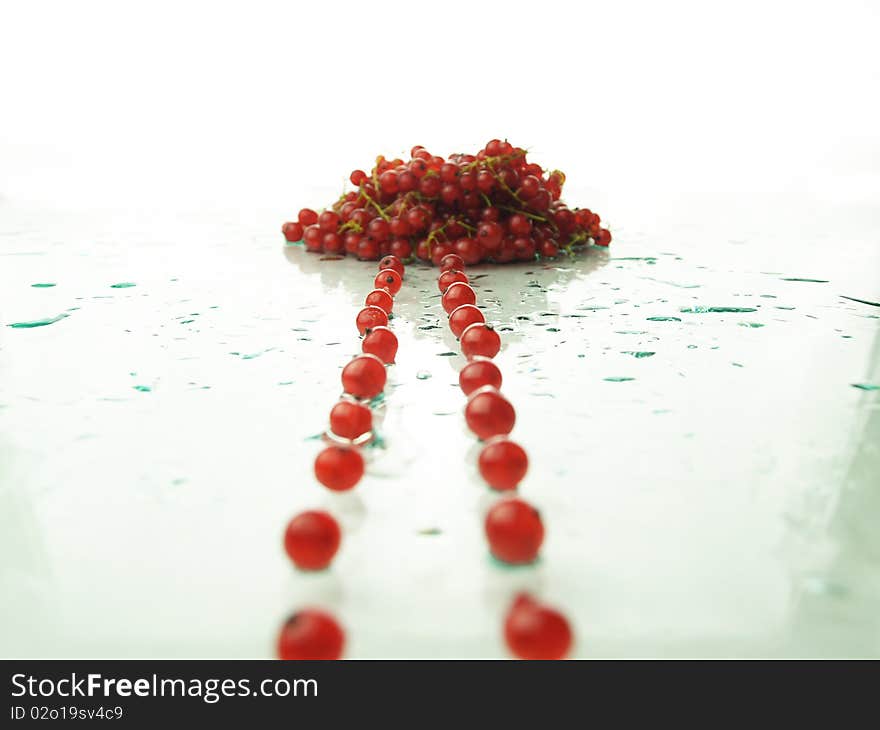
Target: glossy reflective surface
column 707, row 471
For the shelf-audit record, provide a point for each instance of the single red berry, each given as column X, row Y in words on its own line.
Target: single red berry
column 357, row 177
column 312, row 539
column 311, row 634
column 293, row 232
column 380, row 298
column 388, row 279
column 549, row 249
column 488, row 414
column 339, row 467
column 368, row 250
column 388, row 182
column 490, row 235
column 480, row 339
column 333, row 242
column 514, row 530
column 456, row 295
column 313, row 237
column 381, row 342
column 392, row 262
column 451, row 261
column 450, row 277
column 364, row 376
column 463, row 317
column 370, row 318
column 604, row 238
column 399, row 227
column 503, row 464
column 479, row 372
column 519, row 225
column 535, row 631
column 401, row 247
column 328, row 221
column 307, row 217
column 350, row 420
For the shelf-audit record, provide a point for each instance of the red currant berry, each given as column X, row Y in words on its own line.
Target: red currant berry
column 401, row 247
column 488, row 414
column 604, row 238
column 549, row 249
column 456, row 295
column 392, row 262
column 357, row 177
column 368, row 249
column 503, row 464
column 388, row 182
column 519, row 225
column 378, row 229
column 381, row 342
column 328, row 221
column 399, row 226
column 364, row 376
column 293, row 232
column 514, row 530
column 312, row 539
column 490, row 234
column 311, row 634
column 370, row 318
column 479, row 372
column 333, row 243
column 388, row 279
column 430, row 186
column 380, row 298
column 339, row 468
column 463, row 317
column 529, row 186
column 450, row 277
column 407, row 182
column 469, row 250
column 313, row 238
column 535, row 631
column 350, row 420
column 485, row 181
column 480, row 339
column 451, row 261
column 307, row 217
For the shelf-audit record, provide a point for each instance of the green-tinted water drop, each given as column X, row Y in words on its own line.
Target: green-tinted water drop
column 42, row 286
column 123, row 285
column 618, row 379
column 142, row 388
column 865, row 386
column 753, row 325
column 639, row 354
column 664, row 319
column 38, row 322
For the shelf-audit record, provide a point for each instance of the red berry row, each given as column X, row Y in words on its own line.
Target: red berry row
column 313, row 537
column 513, row 527
column 492, row 206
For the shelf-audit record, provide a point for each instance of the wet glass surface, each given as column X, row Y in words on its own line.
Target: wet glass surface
column 700, row 408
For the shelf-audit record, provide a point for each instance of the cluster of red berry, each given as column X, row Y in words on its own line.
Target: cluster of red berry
column 514, row 528
column 313, row 537
column 492, row 206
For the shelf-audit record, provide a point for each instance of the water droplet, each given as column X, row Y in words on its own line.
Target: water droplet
column 430, row 531
column 808, row 281
column 447, row 354
column 618, row 379
column 38, row 322
column 123, row 285
column 753, row 325
column 865, row 386
column 143, row 388
column 717, row 310
column 42, row 286
column 639, row 354
column 664, row 319
column 423, row 375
